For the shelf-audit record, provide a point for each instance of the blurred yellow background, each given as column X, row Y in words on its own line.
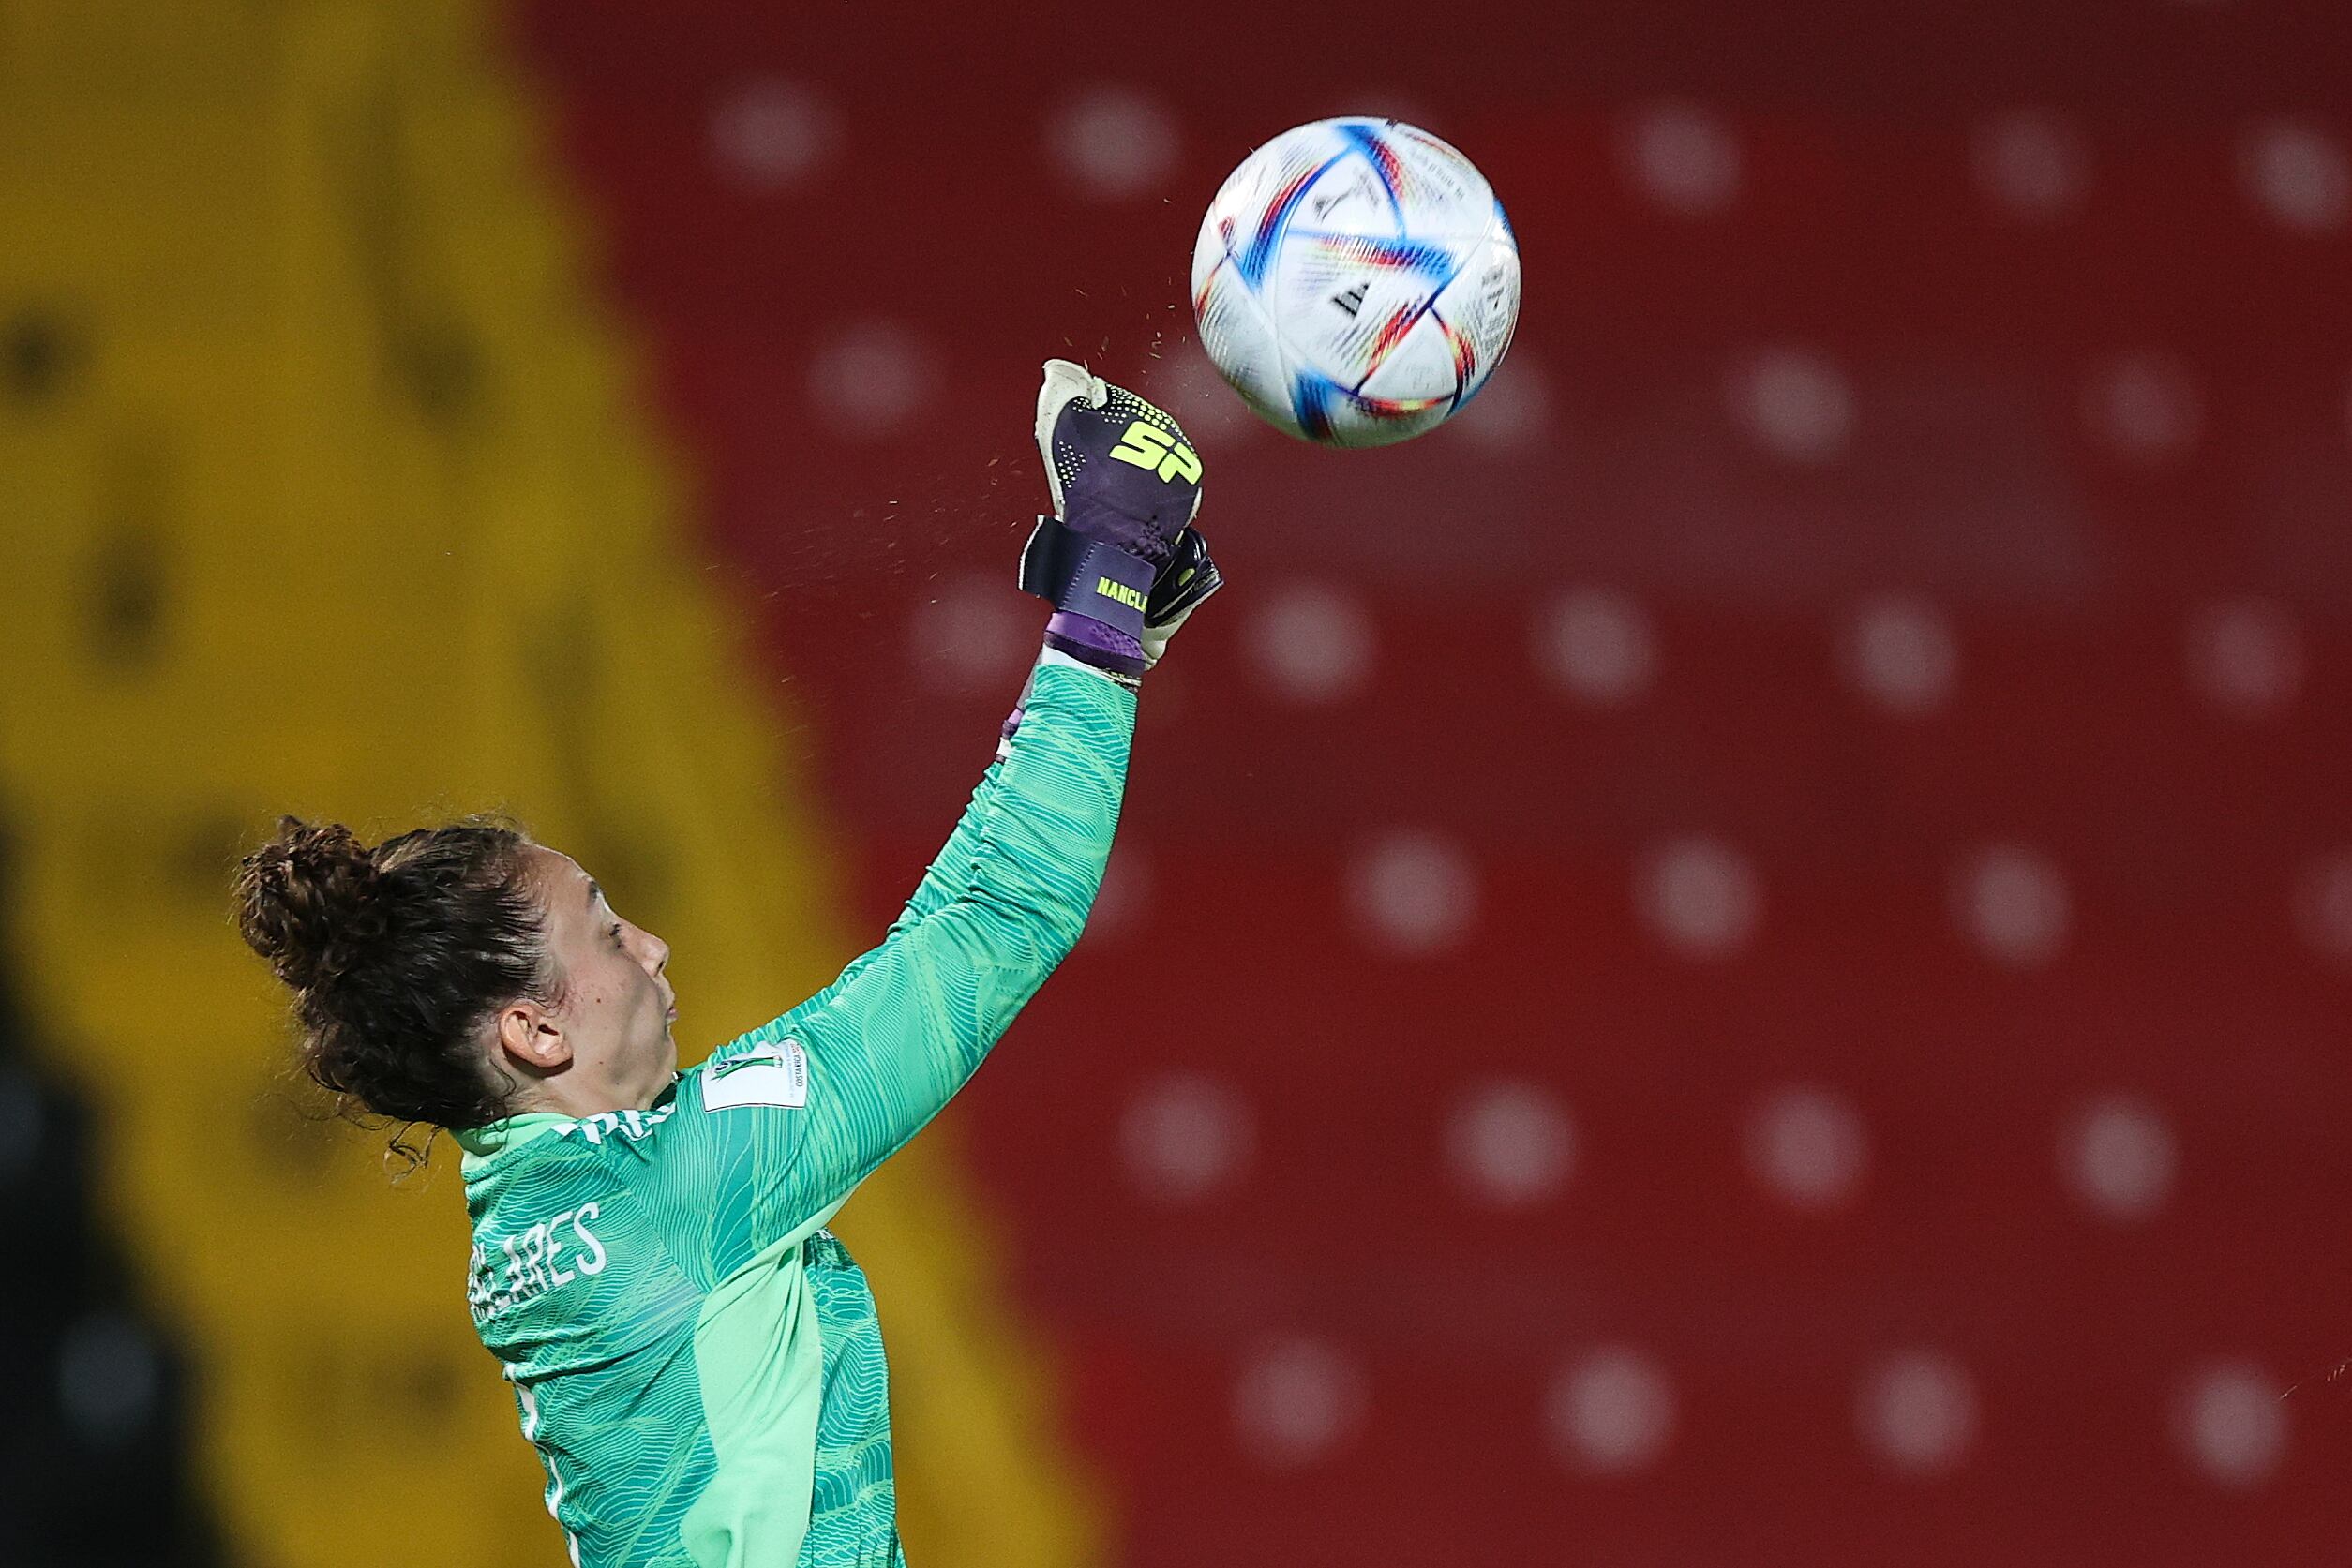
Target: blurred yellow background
column 330, row 491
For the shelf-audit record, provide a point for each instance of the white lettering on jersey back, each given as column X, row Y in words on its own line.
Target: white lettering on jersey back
column 767, row 1075
column 550, row 1253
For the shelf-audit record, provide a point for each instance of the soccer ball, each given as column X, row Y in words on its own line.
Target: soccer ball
column 1356, row 281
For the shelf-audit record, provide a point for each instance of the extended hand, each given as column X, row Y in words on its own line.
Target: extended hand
column 1119, row 560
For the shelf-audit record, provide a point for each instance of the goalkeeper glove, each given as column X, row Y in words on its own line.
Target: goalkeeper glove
column 1119, row 560
column 1188, row 577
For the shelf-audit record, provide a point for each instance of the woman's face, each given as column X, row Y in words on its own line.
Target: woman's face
column 616, row 1006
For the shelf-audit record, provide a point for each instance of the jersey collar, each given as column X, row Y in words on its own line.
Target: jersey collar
column 484, row 1142
column 481, row 1142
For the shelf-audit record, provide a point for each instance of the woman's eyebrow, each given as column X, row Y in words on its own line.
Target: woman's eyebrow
column 596, row 892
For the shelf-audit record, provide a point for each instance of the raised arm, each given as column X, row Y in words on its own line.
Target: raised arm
column 1118, row 560
column 780, row 1126
column 889, row 1046
column 950, row 869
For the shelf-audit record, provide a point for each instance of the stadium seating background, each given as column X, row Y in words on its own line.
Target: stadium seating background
column 1741, row 957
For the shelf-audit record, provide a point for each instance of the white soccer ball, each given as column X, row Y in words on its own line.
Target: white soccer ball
column 1356, row 281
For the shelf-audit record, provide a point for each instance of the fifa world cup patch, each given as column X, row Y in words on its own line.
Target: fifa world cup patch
column 769, row 1075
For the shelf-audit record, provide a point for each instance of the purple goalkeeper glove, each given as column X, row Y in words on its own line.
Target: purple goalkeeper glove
column 1119, row 560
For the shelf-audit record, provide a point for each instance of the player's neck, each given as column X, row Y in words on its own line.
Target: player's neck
column 568, row 1095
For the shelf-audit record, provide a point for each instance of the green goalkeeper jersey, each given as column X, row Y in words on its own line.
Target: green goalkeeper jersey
column 695, row 1357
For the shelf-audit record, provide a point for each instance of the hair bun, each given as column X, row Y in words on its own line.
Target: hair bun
column 306, row 900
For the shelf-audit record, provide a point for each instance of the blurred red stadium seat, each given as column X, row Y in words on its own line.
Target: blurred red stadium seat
column 1728, row 982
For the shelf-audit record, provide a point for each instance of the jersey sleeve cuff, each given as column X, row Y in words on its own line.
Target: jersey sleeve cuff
column 1055, row 656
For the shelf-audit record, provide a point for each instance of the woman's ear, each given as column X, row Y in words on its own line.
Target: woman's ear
column 529, row 1037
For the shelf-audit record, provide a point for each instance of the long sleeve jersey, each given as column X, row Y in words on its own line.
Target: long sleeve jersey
column 693, row 1355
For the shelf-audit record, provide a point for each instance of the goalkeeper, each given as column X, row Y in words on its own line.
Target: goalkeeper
column 693, row 1355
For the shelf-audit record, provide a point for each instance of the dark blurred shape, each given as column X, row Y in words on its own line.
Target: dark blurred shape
column 95, row 1435
column 40, row 353
column 127, row 599
column 129, row 567
column 443, row 370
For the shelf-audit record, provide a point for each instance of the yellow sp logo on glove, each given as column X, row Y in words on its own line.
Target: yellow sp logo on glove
column 1148, row 446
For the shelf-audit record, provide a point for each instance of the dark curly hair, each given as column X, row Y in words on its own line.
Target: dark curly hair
column 397, row 956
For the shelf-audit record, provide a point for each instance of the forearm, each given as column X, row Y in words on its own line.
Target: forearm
column 860, row 1068
column 951, row 868
column 889, row 1048
column 948, row 871
column 1046, row 832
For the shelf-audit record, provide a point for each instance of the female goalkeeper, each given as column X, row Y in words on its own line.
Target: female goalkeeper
column 693, row 1355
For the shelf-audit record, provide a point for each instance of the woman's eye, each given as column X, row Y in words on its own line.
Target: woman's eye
column 616, row 932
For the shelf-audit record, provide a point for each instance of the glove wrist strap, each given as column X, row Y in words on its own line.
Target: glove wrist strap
column 1098, row 591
